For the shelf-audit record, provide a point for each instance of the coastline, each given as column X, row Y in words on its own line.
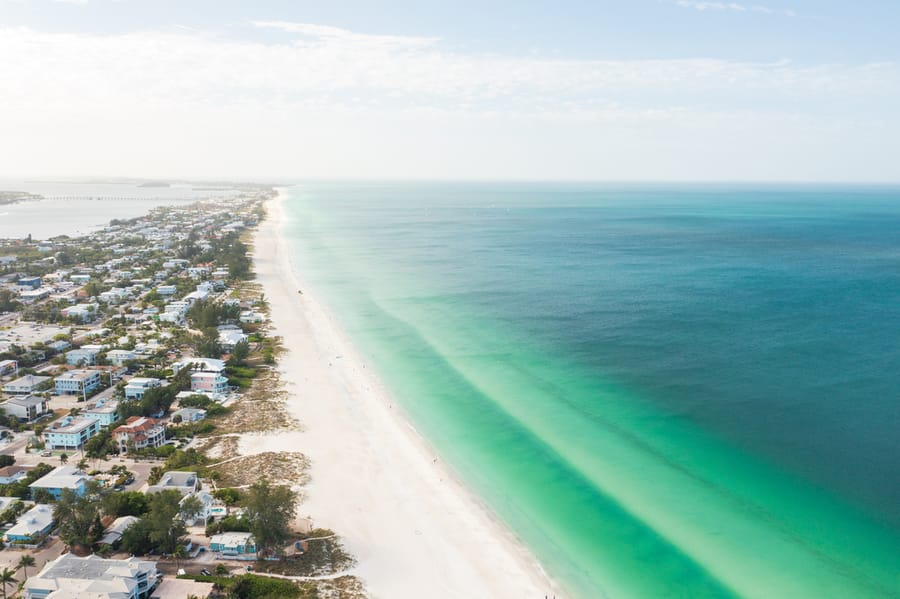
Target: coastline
column 414, row 528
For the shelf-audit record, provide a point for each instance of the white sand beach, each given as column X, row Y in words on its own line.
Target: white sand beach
column 416, row 531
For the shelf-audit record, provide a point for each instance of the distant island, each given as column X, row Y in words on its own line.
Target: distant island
column 155, row 184
column 14, row 197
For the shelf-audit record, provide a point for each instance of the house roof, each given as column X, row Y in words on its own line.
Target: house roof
column 63, row 477
column 32, row 522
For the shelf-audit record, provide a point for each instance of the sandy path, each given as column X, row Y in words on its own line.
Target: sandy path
column 415, row 530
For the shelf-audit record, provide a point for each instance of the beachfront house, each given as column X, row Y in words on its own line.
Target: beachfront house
column 140, row 432
column 27, row 408
column 183, row 482
column 32, row 525
column 199, row 365
column 188, row 415
column 70, row 576
column 233, row 543
column 229, row 337
column 137, row 386
column 63, row 477
column 72, row 433
column 209, row 382
column 77, row 382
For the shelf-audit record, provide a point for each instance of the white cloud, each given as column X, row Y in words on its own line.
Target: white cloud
column 333, row 102
column 734, row 7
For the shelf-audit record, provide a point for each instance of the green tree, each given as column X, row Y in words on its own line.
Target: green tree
column 7, row 576
column 6, row 460
column 165, row 530
column 25, row 562
column 63, row 458
column 240, row 352
column 269, row 510
column 208, row 345
column 127, row 503
column 79, row 516
column 180, row 553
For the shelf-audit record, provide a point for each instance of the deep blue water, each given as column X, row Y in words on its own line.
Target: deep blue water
column 739, row 343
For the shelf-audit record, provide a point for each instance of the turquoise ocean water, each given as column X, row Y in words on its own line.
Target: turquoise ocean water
column 665, row 391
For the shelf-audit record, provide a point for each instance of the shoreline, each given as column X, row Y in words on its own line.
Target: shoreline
column 413, row 526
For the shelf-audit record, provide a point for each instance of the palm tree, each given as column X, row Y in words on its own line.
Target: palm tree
column 7, row 576
column 179, row 553
column 63, row 458
column 25, row 562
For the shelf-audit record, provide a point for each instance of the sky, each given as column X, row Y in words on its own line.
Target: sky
column 636, row 90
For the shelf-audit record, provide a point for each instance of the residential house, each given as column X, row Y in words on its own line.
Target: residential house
column 26, row 385
column 71, row 433
column 230, row 337
column 82, row 312
column 188, row 415
column 137, row 386
column 77, row 382
column 70, row 576
column 27, row 408
column 166, row 289
column 80, row 279
column 59, row 346
column 120, row 356
column 104, row 412
column 209, row 382
column 140, row 432
column 199, row 365
column 63, row 477
column 115, row 530
column 8, row 367
column 206, row 502
column 233, row 543
column 183, row 482
column 12, row 474
column 82, row 356
column 250, row 316
column 36, row 522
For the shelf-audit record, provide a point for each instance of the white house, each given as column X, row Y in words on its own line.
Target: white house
column 199, row 365
column 231, row 337
column 27, row 408
column 188, row 415
column 120, row 356
column 166, row 289
column 82, row 312
column 82, row 356
column 137, row 386
column 26, row 385
column 77, row 382
column 69, row 576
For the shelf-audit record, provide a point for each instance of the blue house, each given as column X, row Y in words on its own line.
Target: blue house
column 233, row 543
column 36, row 522
column 33, row 282
column 63, row 477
